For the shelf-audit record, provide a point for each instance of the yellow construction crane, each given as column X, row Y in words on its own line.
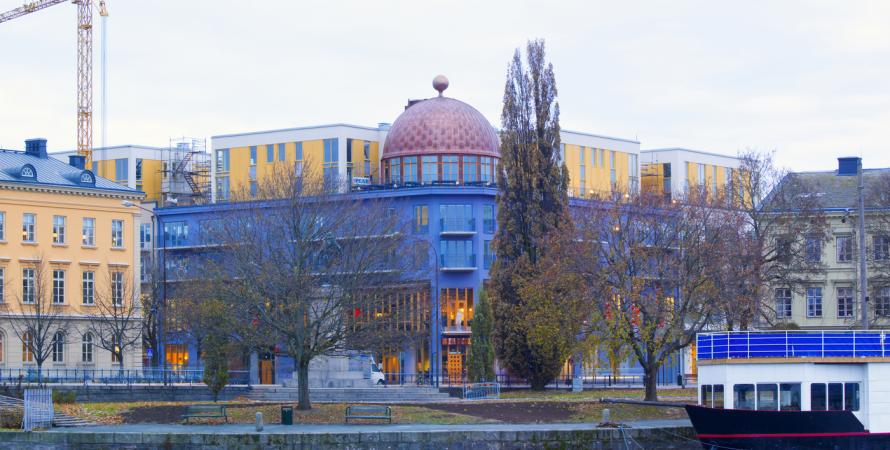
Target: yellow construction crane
column 84, row 64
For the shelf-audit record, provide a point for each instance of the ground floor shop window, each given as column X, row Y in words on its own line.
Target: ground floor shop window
column 457, row 309
column 177, row 356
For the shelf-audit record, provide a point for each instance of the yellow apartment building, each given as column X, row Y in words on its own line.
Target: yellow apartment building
column 67, row 246
column 599, row 165
column 673, row 172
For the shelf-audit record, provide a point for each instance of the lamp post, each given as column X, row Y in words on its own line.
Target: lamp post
column 863, row 275
column 155, row 225
column 436, row 343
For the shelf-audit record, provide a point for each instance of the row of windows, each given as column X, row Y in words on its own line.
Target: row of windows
column 633, row 169
column 784, row 396
column 60, row 230
column 273, row 152
column 453, row 218
column 445, row 168
column 843, row 248
column 57, row 348
column 88, row 286
column 846, row 301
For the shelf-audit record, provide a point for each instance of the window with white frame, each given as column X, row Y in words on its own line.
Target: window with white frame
column 27, row 347
column 144, row 236
column 116, row 345
column 117, row 233
column 813, row 249
column 2, row 284
column 89, row 232
column 881, row 243
column 845, row 301
column 844, row 248
column 783, row 303
column 117, row 288
column 882, row 301
column 88, row 287
column 29, row 224
column 58, row 229
column 814, row 301
column 58, row 286
column 2, row 226
column 58, row 347
column 28, row 285
column 86, row 348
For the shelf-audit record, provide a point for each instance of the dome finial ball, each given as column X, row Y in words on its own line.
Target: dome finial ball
column 440, row 83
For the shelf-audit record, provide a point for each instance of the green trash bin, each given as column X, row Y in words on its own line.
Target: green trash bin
column 287, row 415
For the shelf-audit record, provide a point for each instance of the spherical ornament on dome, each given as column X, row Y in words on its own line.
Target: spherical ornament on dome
column 440, row 83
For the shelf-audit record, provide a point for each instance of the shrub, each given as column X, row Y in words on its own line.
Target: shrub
column 64, row 396
column 11, row 418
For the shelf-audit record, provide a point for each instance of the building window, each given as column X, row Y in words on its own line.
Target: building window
column 813, row 249
column 28, row 285
column 395, row 165
column 176, row 234
column 29, row 223
column 449, row 168
column 116, row 345
column 783, row 249
column 430, row 169
column 117, row 233
column 488, row 255
column 58, row 347
column 633, row 172
column 88, row 288
column 457, row 253
column 58, row 286
column 139, row 173
column 713, row 184
column 582, row 174
column 488, row 222
column 253, row 155
column 331, row 159
column 298, row 157
column 613, row 178
column 485, row 169
column 2, row 226
column 844, row 248
column 144, row 236
column 2, row 286
column 456, row 218
column 814, row 302
column 366, row 152
column 222, row 160
column 253, row 188
column 270, row 153
column 27, row 347
column 701, row 175
column 121, row 167
column 58, row 229
column 845, row 302
column 282, row 152
column 783, row 303
column 86, row 348
column 222, row 188
column 882, row 301
column 89, row 232
column 471, row 169
column 421, row 219
column 117, row 288
column 880, row 242
column 410, row 169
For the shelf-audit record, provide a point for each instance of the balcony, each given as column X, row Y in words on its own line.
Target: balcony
column 457, row 262
column 456, row 329
column 825, row 346
column 458, row 226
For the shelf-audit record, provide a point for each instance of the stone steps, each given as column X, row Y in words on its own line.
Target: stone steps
column 59, row 419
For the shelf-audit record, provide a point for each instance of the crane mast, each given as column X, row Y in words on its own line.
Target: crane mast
column 84, row 64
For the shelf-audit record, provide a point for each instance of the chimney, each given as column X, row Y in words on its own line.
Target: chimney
column 36, row 147
column 77, row 161
column 848, row 165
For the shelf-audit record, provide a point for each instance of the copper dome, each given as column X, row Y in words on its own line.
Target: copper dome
column 441, row 125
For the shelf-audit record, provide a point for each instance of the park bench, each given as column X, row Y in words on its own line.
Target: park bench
column 205, row 411
column 369, row 412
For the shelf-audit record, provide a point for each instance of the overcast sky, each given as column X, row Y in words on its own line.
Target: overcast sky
column 809, row 79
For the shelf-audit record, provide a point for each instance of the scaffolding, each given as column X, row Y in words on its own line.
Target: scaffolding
column 185, row 172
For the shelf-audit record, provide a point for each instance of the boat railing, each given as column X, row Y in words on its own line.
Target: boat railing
column 792, row 344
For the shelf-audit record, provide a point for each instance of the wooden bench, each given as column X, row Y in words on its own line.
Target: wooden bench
column 205, row 411
column 369, row 412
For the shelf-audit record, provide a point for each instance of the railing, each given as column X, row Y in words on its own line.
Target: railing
column 792, row 344
column 116, row 376
column 479, row 391
column 457, row 225
column 458, row 261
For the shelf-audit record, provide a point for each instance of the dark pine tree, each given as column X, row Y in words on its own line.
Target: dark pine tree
column 532, row 207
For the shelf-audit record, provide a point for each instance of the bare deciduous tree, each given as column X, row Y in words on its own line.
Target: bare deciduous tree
column 116, row 316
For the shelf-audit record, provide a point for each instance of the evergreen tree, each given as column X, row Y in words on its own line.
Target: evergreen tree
column 480, row 355
column 216, row 363
column 532, row 210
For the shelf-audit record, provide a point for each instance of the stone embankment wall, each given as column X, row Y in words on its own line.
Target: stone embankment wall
column 680, row 438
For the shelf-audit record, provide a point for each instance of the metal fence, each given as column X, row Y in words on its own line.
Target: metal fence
column 792, row 344
column 479, row 391
column 38, row 409
column 116, row 376
column 602, row 379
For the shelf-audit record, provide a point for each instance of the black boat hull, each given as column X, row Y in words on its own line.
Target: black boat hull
column 779, row 430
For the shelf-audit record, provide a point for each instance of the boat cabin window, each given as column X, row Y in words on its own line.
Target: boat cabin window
column 834, row 396
column 789, row 396
column 712, row 395
column 767, row 397
column 743, row 396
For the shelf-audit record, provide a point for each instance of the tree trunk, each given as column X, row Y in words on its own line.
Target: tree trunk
column 303, row 385
column 650, row 380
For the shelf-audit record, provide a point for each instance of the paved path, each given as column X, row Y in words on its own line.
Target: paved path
column 345, row 429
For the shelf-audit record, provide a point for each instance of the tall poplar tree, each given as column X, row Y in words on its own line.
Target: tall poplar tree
column 480, row 355
column 532, row 210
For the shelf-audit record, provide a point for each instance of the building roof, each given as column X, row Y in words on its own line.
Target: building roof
column 836, row 192
column 51, row 172
column 441, row 125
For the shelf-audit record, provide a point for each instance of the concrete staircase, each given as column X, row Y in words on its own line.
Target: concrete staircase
column 59, row 419
column 389, row 394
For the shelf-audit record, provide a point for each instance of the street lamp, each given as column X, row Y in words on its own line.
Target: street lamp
column 436, row 343
column 155, row 222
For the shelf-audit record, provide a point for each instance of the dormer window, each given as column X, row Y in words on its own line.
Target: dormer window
column 86, row 177
column 28, row 172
